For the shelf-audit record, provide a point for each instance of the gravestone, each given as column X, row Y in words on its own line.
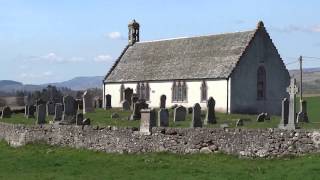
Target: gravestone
column 58, row 112
column 79, row 119
column 292, row 90
column 41, row 114
column 100, row 102
column 303, row 115
column 50, row 108
column 80, row 104
column 70, row 110
column 211, row 115
column 140, row 104
column 87, row 102
column 163, row 118
column 163, row 99
column 239, row 123
column 284, row 113
column 108, row 101
column 261, row 117
column 179, row 114
column 148, row 120
column 196, row 116
column 134, row 99
column 6, row 112
column 128, row 94
column 125, row 105
column 86, row 121
column 29, row 111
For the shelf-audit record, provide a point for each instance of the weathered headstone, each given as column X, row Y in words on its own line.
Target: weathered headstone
column 239, row 123
column 134, row 99
column 140, row 104
column 70, row 110
column 80, row 104
column 108, row 101
column 284, row 113
column 100, row 102
column 79, row 119
column 163, row 99
column 6, row 112
column 87, row 102
column 261, row 117
column 86, row 121
column 125, row 105
column 211, row 115
column 128, row 92
column 163, row 118
column 196, row 116
column 148, row 120
column 41, row 114
column 58, row 112
column 303, row 114
column 179, row 114
column 50, row 108
column 292, row 90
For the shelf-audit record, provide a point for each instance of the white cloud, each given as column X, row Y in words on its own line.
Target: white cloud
column 295, row 28
column 54, row 58
column 114, row 35
column 47, row 73
column 103, row 58
column 35, row 76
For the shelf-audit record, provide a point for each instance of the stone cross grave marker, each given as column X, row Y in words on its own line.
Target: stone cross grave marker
column 163, row 120
column 87, row 102
column 41, row 114
column 292, row 90
column 179, row 114
column 210, row 116
column 196, row 116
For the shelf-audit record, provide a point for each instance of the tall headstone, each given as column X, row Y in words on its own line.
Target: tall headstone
column 292, row 90
column 6, row 112
column 87, row 102
column 303, row 114
column 148, row 120
column 58, row 112
column 284, row 113
column 41, row 114
column 196, row 116
column 211, row 115
column 163, row 101
column 50, row 108
column 79, row 119
column 80, row 104
column 179, row 114
column 128, row 92
column 134, row 99
column 140, row 104
column 108, row 101
column 163, row 118
column 125, row 105
column 70, row 110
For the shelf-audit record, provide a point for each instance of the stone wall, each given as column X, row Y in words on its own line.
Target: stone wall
column 244, row 142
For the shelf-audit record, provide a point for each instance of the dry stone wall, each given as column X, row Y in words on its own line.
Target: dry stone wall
column 242, row 142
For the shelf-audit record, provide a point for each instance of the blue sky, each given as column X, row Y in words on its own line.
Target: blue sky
column 48, row 41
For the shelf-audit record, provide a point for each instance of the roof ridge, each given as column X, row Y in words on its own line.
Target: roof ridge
column 197, row 36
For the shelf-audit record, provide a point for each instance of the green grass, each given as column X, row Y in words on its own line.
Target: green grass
column 47, row 162
column 102, row 117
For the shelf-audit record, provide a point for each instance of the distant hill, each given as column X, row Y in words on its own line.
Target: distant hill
column 310, row 80
column 78, row 83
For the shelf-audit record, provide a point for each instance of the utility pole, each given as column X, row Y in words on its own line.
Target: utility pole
column 300, row 60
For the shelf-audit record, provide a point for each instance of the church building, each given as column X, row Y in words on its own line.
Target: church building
column 242, row 71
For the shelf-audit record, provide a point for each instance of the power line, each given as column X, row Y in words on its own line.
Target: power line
column 311, row 57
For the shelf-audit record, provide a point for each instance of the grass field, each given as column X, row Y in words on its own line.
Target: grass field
column 103, row 118
column 47, row 162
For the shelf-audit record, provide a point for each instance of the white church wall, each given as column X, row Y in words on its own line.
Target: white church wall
column 216, row 88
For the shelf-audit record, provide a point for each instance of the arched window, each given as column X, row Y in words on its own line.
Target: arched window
column 204, row 90
column 143, row 91
column 121, row 92
column 179, row 91
column 261, row 83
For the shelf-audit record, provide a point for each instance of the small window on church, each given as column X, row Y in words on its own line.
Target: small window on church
column 121, row 92
column 143, row 91
column 261, row 83
column 204, row 91
column 179, row 91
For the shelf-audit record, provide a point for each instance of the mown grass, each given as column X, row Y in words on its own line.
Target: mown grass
column 43, row 162
column 102, row 117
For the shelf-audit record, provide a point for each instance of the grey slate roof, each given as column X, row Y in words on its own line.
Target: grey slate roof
column 202, row 57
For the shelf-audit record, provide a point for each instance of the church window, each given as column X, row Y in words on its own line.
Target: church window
column 143, row 90
column 121, row 92
column 179, row 91
column 261, row 83
column 204, row 91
